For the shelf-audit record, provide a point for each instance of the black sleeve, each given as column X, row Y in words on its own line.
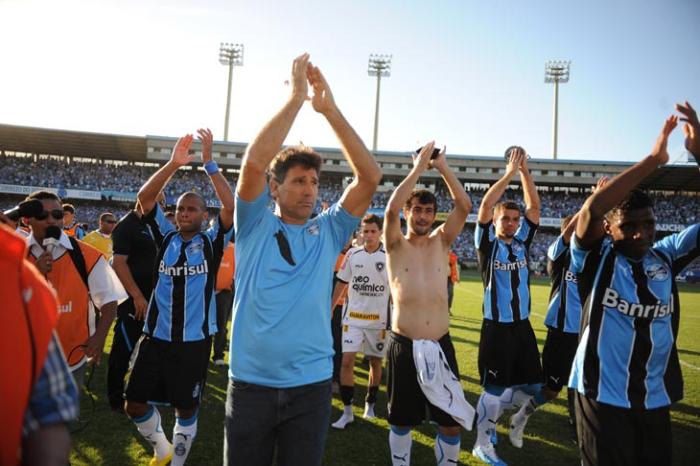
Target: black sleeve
column 122, row 235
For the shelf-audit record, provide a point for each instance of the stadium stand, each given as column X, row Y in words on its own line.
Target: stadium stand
column 102, row 172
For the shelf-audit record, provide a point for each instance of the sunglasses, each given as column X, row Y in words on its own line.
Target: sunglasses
column 56, row 214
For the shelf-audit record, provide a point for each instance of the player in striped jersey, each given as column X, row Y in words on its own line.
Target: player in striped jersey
column 508, row 353
column 563, row 321
column 174, row 351
column 626, row 369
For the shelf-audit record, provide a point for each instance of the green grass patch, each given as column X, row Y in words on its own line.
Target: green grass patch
column 112, row 439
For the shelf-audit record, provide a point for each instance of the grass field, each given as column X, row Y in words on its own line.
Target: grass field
column 112, row 439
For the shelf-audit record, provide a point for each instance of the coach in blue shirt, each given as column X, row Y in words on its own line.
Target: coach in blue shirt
column 626, row 369
column 281, row 346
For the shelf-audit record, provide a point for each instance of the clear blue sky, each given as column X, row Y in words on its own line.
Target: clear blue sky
column 466, row 73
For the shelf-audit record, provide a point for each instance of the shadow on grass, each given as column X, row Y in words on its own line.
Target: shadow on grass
column 688, row 352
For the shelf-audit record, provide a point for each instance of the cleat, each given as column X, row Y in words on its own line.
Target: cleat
column 517, row 427
column 369, row 412
column 487, row 454
column 343, row 421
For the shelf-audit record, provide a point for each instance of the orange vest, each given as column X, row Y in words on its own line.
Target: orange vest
column 224, row 277
column 27, row 319
column 76, row 321
column 70, row 231
column 453, row 267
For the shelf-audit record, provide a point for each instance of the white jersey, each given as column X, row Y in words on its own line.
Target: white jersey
column 365, row 273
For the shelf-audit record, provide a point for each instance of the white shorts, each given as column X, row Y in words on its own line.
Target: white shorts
column 374, row 341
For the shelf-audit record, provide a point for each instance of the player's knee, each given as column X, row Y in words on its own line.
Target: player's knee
column 549, row 394
column 449, row 431
column 135, row 409
column 348, row 360
column 185, row 413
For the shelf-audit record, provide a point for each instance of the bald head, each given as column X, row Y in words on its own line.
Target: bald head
column 193, row 195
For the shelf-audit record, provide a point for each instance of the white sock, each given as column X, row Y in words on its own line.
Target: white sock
column 526, row 410
column 513, row 398
column 446, row 449
column 149, row 427
column 347, row 411
column 488, row 410
column 183, row 435
column 400, row 446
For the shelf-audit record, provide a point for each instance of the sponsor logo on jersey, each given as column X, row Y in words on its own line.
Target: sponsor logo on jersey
column 361, row 284
column 656, row 272
column 183, row 270
column 611, row 299
column 569, row 276
column 66, row 308
column 363, row 315
column 510, row 266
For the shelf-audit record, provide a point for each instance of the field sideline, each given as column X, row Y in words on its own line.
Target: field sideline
column 112, row 439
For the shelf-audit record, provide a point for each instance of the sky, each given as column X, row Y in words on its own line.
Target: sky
column 468, row 74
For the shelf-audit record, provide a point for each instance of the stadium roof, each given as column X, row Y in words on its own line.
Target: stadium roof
column 71, row 143
column 46, row 141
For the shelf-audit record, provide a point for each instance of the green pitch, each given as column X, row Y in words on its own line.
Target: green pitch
column 111, row 439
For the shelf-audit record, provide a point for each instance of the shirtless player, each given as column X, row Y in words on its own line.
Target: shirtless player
column 419, row 342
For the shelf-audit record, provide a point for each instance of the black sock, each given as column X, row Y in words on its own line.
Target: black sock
column 372, row 394
column 347, row 392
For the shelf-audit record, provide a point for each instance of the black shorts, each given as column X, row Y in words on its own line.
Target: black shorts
column 609, row 435
column 163, row 371
column 557, row 356
column 406, row 399
column 508, row 354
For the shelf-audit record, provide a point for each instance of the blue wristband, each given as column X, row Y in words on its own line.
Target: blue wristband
column 211, row 168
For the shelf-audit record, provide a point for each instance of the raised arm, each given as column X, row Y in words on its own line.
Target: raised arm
column 571, row 227
column 392, row 220
column 358, row 194
column 463, row 205
column 221, row 186
column 691, row 129
column 532, row 199
column 594, row 209
column 179, row 157
column 499, row 187
column 267, row 143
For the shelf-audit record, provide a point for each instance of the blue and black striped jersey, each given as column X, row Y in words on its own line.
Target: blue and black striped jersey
column 564, row 311
column 182, row 306
column 505, row 271
column 627, row 354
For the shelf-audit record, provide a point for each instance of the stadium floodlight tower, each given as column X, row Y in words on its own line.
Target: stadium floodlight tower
column 556, row 71
column 230, row 55
column 379, row 66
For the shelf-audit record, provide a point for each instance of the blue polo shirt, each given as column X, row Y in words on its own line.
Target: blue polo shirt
column 280, row 333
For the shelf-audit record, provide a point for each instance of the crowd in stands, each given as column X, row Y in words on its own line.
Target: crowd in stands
column 56, row 173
